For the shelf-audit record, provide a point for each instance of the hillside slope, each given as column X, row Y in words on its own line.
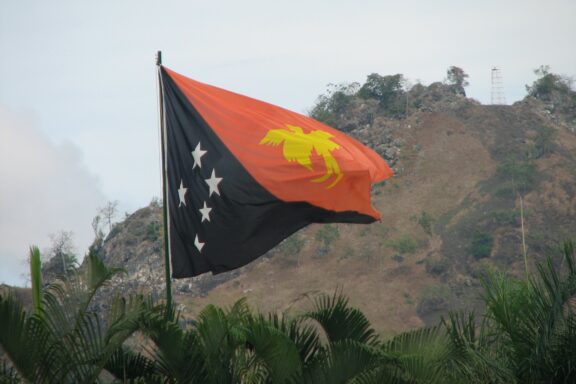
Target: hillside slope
column 450, row 215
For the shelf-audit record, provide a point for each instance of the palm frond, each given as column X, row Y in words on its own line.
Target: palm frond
column 533, row 317
column 275, row 350
column 563, row 353
column 8, row 375
column 36, row 278
column 349, row 361
column 340, row 321
column 304, row 335
column 473, row 356
column 20, row 338
column 419, row 354
column 177, row 353
column 247, row 368
column 126, row 365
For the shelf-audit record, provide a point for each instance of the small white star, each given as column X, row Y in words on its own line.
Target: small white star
column 213, row 182
column 205, row 211
column 198, row 244
column 182, row 193
column 197, row 154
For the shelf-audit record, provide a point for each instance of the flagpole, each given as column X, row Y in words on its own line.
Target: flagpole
column 164, row 188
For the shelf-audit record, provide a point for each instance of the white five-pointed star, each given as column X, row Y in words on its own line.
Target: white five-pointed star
column 213, row 182
column 197, row 154
column 182, row 193
column 205, row 211
column 198, row 244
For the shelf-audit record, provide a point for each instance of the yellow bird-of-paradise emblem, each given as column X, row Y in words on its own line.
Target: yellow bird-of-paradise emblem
column 298, row 148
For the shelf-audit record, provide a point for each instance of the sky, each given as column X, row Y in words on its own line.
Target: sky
column 78, row 95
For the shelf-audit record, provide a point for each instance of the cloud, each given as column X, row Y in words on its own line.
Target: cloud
column 44, row 188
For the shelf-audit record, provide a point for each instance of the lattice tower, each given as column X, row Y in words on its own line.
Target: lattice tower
column 497, row 95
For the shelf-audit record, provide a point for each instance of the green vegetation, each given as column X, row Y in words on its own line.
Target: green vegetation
column 543, row 143
column 506, row 216
column 527, row 335
column 437, row 266
column 402, row 245
column 325, row 236
column 291, row 248
column 60, row 258
column 481, row 245
column 36, row 278
column 153, row 231
column 293, row 244
column 388, row 91
column 64, row 341
column 556, row 90
column 442, row 222
column 330, row 105
column 548, row 82
column 425, row 221
column 457, row 78
column 521, row 175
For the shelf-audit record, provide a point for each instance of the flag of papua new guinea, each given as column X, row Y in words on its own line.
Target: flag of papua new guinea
column 243, row 175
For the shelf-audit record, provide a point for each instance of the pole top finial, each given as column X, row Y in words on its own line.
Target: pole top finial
column 159, row 58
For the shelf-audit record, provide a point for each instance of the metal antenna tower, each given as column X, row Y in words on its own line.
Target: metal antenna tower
column 497, row 96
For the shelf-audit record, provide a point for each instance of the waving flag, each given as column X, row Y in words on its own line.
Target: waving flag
column 243, row 175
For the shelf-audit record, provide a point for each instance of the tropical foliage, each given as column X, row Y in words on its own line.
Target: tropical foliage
column 527, row 335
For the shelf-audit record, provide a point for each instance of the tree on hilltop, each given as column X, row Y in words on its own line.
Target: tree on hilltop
column 456, row 77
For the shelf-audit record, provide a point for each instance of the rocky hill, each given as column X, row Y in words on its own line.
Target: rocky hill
column 452, row 213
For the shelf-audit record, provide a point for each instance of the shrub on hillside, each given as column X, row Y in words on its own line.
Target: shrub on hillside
column 506, row 216
column 543, row 143
column 481, row 245
column 437, row 266
column 402, row 245
column 522, row 174
column 425, row 221
column 293, row 244
column 325, row 236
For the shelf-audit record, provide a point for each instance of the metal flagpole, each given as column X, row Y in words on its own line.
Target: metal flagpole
column 164, row 188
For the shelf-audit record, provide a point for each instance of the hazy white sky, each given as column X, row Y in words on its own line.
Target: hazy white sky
column 78, row 110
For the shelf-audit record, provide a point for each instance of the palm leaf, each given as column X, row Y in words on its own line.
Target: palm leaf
column 36, row 278
column 474, row 356
column 8, row 375
column 349, row 361
column 275, row 350
column 419, row 354
column 340, row 321
column 127, row 365
column 177, row 353
column 534, row 318
column 304, row 336
column 17, row 337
